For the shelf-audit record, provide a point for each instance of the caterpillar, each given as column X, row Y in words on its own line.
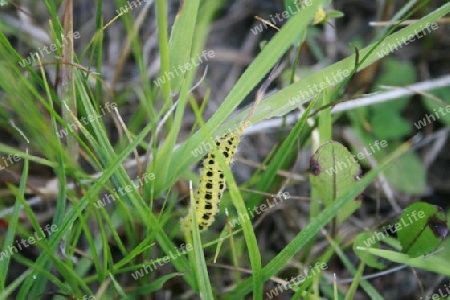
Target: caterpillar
column 212, row 184
column 212, row 180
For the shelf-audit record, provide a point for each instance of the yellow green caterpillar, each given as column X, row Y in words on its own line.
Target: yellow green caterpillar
column 212, row 180
column 212, row 184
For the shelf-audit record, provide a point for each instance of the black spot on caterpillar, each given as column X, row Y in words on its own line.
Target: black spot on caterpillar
column 211, row 185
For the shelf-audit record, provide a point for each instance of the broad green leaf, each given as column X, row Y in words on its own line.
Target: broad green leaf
column 396, row 73
column 407, row 175
column 388, row 124
column 421, row 228
column 367, row 239
column 334, row 172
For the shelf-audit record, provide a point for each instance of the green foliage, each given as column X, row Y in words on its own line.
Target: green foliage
column 280, row 157
column 369, row 259
column 135, row 211
column 334, row 172
column 441, row 111
column 423, row 227
column 277, row 104
column 387, row 123
column 420, row 230
column 407, row 174
column 438, row 264
column 386, row 120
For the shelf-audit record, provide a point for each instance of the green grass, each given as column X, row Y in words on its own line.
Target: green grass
column 147, row 217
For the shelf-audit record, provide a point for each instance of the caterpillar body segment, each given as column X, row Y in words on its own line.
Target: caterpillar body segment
column 211, row 185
